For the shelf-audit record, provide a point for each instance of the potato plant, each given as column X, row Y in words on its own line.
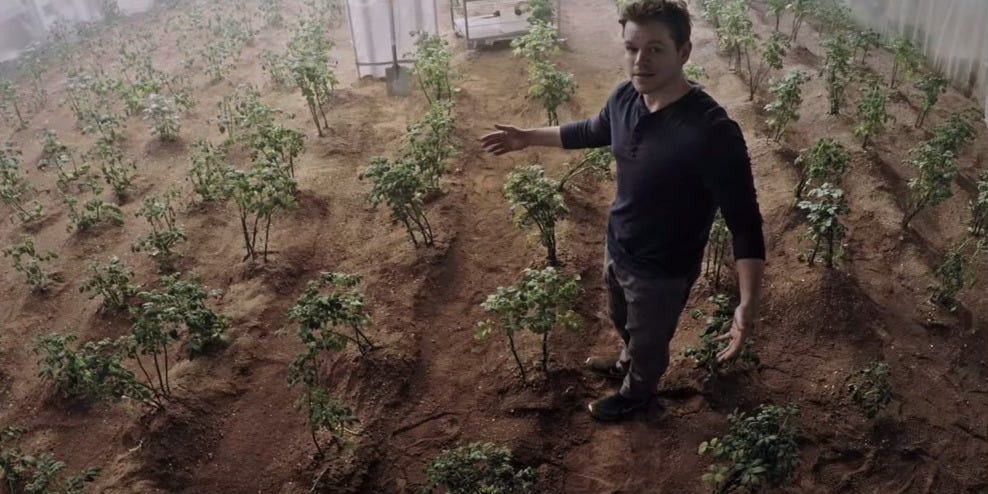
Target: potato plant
column 276, row 66
column 705, row 356
column 536, row 201
column 310, row 66
column 259, row 193
column 694, row 71
column 541, row 12
column 29, row 261
column 930, row 86
column 936, row 161
column 824, row 210
column 181, row 303
column 712, row 11
column 758, row 452
column 112, row 282
column 906, row 59
column 717, row 243
column 14, row 188
column 837, row 69
column 432, row 67
column 400, row 185
column 734, row 33
column 209, row 171
column 773, row 51
column 595, row 163
column 478, row 468
column 162, row 117
column 979, row 207
column 242, row 114
column 117, row 173
column 37, row 473
column 823, row 162
column 862, row 42
column 429, row 143
column 93, row 212
column 872, row 113
column 330, row 314
column 165, row 232
column 92, row 372
column 869, row 388
column 777, row 8
column 53, row 151
column 551, row 87
column 271, row 12
column 951, row 274
column 10, row 105
column 541, row 43
column 540, row 301
column 800, row 10
column 784, row 108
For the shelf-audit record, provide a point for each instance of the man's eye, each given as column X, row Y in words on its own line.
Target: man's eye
column 630, row 49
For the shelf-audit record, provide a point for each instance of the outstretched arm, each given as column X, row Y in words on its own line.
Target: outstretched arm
column 508, row 138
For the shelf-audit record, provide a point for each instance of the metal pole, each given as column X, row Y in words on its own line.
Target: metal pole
column 353, row 40
column 466, row 23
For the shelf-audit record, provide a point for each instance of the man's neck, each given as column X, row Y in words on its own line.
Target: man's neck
column 665, row 96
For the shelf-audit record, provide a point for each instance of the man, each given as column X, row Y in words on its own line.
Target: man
column 679, row 157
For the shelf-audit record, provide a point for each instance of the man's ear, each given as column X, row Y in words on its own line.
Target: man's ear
column 685, row 51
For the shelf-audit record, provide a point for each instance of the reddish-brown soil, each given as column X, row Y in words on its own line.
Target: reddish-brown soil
column 430, row 385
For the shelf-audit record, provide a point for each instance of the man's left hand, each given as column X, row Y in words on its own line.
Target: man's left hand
column 741, row 327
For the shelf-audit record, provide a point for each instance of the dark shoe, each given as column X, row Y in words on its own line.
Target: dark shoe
column 606, row 367
column 616, row 407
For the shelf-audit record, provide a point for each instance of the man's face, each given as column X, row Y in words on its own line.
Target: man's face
column 651, row 56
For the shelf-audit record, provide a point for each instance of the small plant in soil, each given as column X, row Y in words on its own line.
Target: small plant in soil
column 93, row 212
column 165, row 232
column 428, row 144
column 540, row 44
column 951, row 274
column 37, row 473
column 271, row 12
column 776, row 8
column 432, row 67
column 10, row 105
column 872, row 113
column 734, row 34
column 823, row 162
column 936, row 161
column 906, row 61
column 785, row 107
column 800, row 9
column 705, row 356
column 717, row 244
column 540, row 301
column 181, row 304
column 694, row 71
column 112, row 282
column 824, row 210
column 541, row 12
column 869, row 388
column 330, row 314
column 550, row 87
column 30, row 262
column 595, row 163
column 758, row 452
column 310, row 66
column 862, row 42
column 259, row 193
column 535, row 200
column 836, row 69
column 773, row 51
column 979, row 207
column 400, row 185
column 280, row 143
column 478, row 468
column 930, row 87
column 92, row 372
column 209, row 171
column 117, row 173
column 162, row 116
column 13, row 186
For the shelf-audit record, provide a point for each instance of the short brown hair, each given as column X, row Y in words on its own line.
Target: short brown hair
column 672, row 13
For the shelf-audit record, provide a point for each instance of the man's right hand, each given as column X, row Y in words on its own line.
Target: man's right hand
column 505, row 140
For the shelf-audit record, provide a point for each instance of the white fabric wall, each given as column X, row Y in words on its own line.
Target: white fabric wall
column 370, row 30
column 953, row 34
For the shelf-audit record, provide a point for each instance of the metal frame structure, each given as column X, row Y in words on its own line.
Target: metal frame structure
column 356, row 58
column 493, row 20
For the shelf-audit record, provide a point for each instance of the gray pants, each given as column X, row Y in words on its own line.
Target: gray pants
column 645, row 312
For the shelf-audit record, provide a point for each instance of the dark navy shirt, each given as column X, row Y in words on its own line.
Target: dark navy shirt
column 675, row 167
